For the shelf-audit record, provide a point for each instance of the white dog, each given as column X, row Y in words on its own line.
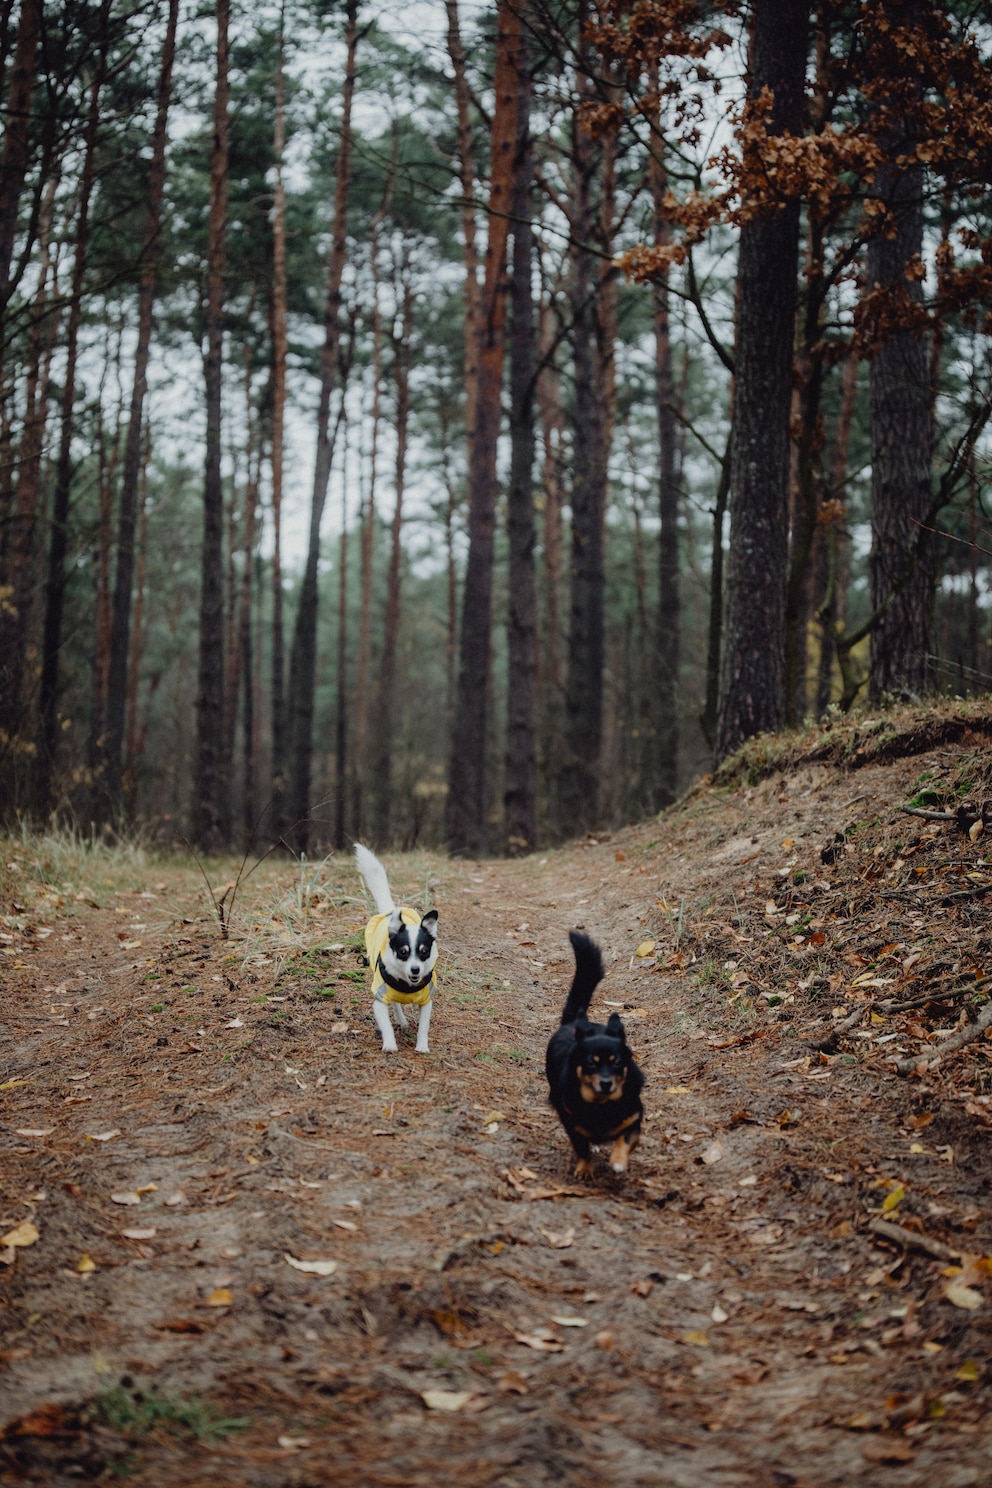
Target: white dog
column 401, row 946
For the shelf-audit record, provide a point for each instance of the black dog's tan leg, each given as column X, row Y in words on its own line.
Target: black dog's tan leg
column 578, row 1139
column 622, row 1148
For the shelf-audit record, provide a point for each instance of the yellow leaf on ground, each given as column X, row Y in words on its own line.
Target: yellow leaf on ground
column 677, row 1090
column 968, row 1372
column 645, row 948
column 893, row 1200
column 85, row 1264
column 313, row 1268
column 220, row 1297
column 24, row 1234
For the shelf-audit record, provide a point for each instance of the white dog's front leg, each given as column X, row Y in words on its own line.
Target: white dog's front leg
column 381, row 1014
column 399, row 1014
column 423, row 1028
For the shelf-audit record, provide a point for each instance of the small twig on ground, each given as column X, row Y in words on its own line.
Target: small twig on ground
column 929, row 815
column 923, row 1062
column 911, row 1240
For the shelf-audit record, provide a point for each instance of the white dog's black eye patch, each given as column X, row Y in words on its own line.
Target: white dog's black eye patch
column 408, row 940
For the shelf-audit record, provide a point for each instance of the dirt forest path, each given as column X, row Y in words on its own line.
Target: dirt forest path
column 182, row 1113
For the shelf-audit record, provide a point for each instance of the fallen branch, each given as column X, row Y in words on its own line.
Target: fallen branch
column 950, row 994
column 832, row 1039
column 929, row 815
column 910, row 1240
column 961, row 1040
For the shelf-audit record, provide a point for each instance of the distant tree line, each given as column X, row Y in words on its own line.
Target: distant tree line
column 631, row 357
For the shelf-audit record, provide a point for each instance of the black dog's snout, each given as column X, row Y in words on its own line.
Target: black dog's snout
column 606, row 1082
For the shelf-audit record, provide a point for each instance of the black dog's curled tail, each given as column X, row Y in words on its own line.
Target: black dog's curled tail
column 588, row 974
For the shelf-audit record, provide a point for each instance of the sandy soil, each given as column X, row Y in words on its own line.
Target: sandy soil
column 183, row 1112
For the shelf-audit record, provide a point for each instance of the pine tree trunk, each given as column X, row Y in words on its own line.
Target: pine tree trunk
column 16, row 138
column 834, row 539
column 132, row 746
column 20, row 553
column 465, row 807
column 211, row 802
column 106, row 478
column 120, row 633
column 551, row 686
column 592, row 301
column 666, row 700
column 900, row 414
column 48, row 724
column 385, row 713
column 466, row 166
column 341, row 762
column 277, row 821
column 303, row 660
column 520, row 789
column 752, row 684
column 241, row 679
column 714, row 629
column 361, row 705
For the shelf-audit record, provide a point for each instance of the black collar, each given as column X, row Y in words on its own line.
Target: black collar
column 404, row 986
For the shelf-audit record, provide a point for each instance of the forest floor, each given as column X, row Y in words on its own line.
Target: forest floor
column 184, row 1114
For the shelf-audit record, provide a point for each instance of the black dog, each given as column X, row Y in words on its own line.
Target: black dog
column 595, row 1084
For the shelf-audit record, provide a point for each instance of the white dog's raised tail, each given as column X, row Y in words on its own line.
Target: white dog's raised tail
column 375, row 876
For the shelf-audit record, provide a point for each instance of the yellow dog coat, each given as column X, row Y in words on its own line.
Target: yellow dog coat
column 376, row 940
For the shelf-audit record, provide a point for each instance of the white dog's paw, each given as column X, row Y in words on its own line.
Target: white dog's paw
column 422, row 1049
column 389, row 1046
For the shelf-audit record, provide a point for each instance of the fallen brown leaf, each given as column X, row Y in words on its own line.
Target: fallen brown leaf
column 884, row 1450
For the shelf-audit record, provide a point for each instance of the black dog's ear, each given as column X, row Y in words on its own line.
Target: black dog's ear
column 429, row 923
column 581, row 1026
column 615, row 1028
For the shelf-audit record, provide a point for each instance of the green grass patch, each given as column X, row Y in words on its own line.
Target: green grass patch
column 134, row 1414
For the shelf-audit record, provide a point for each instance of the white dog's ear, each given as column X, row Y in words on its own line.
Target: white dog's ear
column 429, row 923
column 395, row 923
